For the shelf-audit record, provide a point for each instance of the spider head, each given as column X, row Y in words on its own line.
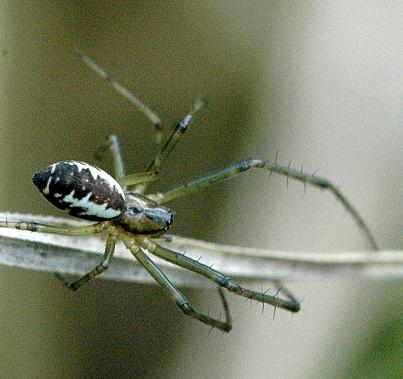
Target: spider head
column 143, row 216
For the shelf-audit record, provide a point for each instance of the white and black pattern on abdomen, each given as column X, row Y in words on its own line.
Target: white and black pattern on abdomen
column 81, row 190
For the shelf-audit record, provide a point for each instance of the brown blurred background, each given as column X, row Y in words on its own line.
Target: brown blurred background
column 320, row 81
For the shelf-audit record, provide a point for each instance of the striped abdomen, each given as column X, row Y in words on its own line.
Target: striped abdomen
column 81, row 190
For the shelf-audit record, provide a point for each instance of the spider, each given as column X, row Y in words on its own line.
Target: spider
column 121, row 209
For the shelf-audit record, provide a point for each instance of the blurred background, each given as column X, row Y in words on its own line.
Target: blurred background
column 321, row 82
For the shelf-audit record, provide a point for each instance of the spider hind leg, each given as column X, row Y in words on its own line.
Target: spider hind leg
column 179, row 299
column 289, row 303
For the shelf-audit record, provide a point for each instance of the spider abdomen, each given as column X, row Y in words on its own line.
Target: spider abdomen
column 81, row 190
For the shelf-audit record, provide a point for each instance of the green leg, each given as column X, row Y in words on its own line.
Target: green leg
column 290, row 304
column 245, row 165
column 97, row 270
column 179, row 129
column 111, row 142
column 177, row 132
column 163, row 150
column 138, row 178
column 151, row 115
column 42, row 228
column 173, row 292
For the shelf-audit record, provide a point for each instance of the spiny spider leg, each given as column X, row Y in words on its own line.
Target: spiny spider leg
column 42, row 228
column 172, row 291
column 242, row 166
column 97, row 270
column 326, row 184
column 224, row 303
column 185, row 262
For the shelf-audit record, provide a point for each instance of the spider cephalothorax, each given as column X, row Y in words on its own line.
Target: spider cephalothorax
column 144, row 216
column 89, row 193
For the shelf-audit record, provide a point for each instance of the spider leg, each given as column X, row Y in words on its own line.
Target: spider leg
column 97, row 270
column 290, row 304
column 245, row 165
column 111, row 142
column 173, row 292
column 163, row 150
column 177, row 132
column 42, row 228
column 151, row 115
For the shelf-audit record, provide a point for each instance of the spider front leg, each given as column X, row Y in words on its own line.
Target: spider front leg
column 173, row 292
column 290, row 304
column 85, row 230
column 163, row 150
column 169, row 145
column 140, row 180
column 178, row 130
column 245, row 165
column 112, row 142
column 97, row 270
column 42, row 228
column 150, row 114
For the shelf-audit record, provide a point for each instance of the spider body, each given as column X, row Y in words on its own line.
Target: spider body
column 87, row 192
column 122, row 211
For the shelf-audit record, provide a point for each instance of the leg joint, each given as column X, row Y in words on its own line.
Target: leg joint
column 23, row 225
column 186, row 308
column 73, row 286
column 103, row 266
column 249, row 163
column 232, row 286
column 224, row 282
